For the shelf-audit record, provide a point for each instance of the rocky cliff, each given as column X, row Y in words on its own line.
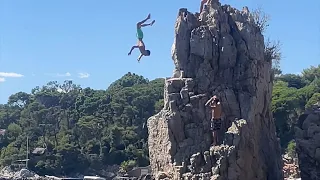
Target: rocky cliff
column 307, row 135
column 222, row 54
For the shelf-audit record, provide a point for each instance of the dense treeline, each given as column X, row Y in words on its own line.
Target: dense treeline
column 83, row 129
column 292, row 95
column 80, row 129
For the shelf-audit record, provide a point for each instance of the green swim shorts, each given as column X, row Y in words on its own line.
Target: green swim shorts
column 139, row 33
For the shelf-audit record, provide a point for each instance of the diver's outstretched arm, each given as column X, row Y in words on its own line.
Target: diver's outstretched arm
column 132, row 48
column 140, row 57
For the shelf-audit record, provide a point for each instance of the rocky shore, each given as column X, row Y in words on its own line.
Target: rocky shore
column 290, row 167
column 8, row 173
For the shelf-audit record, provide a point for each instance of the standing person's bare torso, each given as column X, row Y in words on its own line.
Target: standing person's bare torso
column 216, row 111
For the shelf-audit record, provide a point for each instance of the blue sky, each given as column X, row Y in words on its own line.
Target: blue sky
column 88, row 41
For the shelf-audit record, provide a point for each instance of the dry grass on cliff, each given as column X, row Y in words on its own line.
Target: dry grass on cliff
column 272, row 51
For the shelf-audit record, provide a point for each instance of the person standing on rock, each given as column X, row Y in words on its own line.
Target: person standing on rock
column 215, row 123
column 140, row 43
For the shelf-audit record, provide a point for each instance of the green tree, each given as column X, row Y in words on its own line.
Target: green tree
column 13, row 132
column 313, row 100
column 292, row 94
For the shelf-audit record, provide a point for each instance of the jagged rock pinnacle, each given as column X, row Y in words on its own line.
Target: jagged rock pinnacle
column 223, row 55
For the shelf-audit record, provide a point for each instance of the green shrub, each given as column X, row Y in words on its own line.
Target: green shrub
column 128, row 165
column 291, row 149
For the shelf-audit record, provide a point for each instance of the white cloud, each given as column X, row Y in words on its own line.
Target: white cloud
column 4, row 75
column 10, row 74
column 83, row 75
column 67, row 74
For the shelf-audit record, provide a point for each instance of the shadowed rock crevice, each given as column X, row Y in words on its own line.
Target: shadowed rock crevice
column 223, row 54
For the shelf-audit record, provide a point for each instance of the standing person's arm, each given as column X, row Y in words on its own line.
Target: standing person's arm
column 208, row 102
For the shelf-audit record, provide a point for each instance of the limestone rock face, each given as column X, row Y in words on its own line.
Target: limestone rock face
column 223, row 55
column 307, row 136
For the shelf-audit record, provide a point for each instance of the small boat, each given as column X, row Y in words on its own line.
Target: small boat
column 93, row 178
